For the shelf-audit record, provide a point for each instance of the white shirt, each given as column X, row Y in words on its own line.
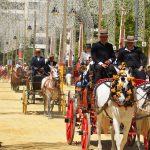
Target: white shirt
column 18, row 66
column 38, row 58
column 91, row 63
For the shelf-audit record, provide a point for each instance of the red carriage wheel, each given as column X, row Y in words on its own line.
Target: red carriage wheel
column 132, row 134
column 70, row 122
column 86, row 132
column 147, row 141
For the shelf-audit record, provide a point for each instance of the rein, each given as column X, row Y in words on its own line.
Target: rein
column 141, row 117
column 145, row 96
column 146, row 102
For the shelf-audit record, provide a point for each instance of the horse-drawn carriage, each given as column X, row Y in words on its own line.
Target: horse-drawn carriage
column 18, row 78
column 33, row 88
column 48, row 87
column 87, row 108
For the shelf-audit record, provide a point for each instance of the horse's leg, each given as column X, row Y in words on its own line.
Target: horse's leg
column 113, row 147
column 49, row 105
column 45, row 103
column 127, row 125
column 99, row 120
column 116, row 125
column 138, row 142
column 52, row 105
column 138, row 126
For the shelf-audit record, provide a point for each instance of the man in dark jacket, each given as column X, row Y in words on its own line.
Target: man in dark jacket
column 49, row 63
column 133, row 57
column 38, row 62
column 103, row 56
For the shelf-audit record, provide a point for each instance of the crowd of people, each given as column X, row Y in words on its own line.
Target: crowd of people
column 100, row 58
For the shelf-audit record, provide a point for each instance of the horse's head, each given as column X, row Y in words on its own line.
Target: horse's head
column 19, row 71
column 122, row 90
column 54, row 72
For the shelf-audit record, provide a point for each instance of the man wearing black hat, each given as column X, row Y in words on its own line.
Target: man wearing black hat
column 133, row 57
column 49, row 63
column 38, row 62
column 103, row 56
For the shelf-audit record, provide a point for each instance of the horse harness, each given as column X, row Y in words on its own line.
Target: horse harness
column 55, row 81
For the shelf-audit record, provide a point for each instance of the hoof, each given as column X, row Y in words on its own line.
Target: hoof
column 50, row 117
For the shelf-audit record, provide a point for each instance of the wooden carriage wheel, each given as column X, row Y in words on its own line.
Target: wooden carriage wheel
column 70, row 121
column 86, row 131
column 63, row 103
column 24, row 98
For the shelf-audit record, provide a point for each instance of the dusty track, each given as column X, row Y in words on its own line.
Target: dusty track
column 34, row 131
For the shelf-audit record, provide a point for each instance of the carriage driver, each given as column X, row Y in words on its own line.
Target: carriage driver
column 103, row 56
column 133, row 57
column 38, row 62
column 50, row 62
column 18, row 64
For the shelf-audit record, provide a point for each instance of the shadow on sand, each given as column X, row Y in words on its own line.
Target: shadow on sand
column 40, row 146
column 107, row 145
column 55, row 114
column 61, row 146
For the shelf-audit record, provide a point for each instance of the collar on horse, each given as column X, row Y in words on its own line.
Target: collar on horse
column 117, row 89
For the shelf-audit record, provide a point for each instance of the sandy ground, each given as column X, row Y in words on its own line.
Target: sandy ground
column 35, row 131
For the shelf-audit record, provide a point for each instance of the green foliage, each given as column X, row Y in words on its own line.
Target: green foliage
column 28, row 53
column 129, row 24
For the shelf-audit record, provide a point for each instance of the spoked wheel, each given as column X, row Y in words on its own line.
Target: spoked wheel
column 24, row 98
column 70, row 122
column 147, row 141
column 86, row 132
column 33, row 98
column 132, row 134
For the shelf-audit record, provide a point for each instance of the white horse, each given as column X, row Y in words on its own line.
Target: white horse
column 50, row 90
column 68, row 79
column 143, row 112
column 108, row 107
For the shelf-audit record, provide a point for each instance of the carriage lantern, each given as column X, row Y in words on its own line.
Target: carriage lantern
column 29, row 28
column 55, row 11
column 15, row 37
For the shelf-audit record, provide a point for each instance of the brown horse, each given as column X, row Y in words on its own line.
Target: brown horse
column 17, row 78
column 51, row 91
